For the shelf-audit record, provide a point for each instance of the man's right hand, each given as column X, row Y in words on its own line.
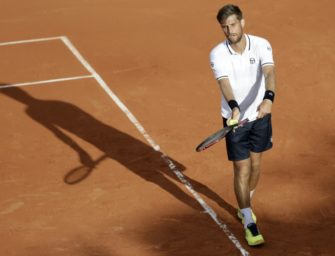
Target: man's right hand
column 235, row 115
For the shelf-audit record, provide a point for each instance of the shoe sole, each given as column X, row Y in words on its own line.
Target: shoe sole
column 256, row 243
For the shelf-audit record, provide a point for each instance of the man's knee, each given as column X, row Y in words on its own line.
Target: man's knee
column 256, row 162
column 256, row 167
column 242, row 169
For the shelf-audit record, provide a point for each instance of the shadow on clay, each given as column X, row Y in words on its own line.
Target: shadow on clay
column 132, row 153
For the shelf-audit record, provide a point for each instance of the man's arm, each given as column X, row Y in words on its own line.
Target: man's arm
column 270, row 84
column 227, row 93
column 269, row 74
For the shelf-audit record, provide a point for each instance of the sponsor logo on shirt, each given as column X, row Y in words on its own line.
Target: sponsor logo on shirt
column 252, row 60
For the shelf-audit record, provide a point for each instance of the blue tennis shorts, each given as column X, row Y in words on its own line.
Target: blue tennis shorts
column 255, row 136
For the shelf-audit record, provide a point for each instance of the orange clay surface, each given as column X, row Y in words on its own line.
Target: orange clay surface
column 154, row 56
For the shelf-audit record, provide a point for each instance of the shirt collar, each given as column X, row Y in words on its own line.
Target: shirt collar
column 247, row 47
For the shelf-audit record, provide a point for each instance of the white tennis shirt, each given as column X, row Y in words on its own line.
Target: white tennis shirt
column 244, row 72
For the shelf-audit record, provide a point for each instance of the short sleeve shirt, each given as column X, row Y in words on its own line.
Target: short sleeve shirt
column 244, row 72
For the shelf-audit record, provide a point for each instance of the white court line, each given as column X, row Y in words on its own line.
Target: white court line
column 166, row 158
column 47, row 81
column 42, row 81
column 30, row 41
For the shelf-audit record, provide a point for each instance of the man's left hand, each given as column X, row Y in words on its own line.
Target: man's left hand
column 264, row 108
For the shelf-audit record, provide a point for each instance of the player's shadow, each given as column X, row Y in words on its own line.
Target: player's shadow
column 147, row 163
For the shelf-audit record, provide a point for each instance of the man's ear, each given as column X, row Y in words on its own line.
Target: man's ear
column 242, row 23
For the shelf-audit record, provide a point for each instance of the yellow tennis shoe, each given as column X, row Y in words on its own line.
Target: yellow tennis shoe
column 239, row 215
column 253, row 236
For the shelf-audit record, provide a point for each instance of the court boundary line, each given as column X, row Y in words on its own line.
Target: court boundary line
column 30, row 41
column 64, row 79
column 139, row 127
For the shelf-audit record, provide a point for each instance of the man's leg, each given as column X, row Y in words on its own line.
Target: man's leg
column 242, row 170
column 242, row 180
column 255, row 159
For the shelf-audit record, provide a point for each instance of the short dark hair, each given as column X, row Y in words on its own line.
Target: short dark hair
column 228, row 10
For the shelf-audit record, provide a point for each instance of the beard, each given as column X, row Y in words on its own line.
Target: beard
column 234, row 38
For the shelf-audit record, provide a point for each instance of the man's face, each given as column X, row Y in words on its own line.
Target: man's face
column 233, row 28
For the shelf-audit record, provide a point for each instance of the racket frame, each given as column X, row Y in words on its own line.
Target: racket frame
column 219, row 135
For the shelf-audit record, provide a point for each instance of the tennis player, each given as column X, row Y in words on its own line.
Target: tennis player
column 244, row 68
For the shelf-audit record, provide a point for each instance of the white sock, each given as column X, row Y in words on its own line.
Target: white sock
column 252, row 193
column 247, row 216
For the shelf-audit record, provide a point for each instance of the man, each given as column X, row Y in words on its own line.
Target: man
column 244, row 68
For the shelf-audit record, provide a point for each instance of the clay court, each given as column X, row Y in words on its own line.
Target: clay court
column 125, row 87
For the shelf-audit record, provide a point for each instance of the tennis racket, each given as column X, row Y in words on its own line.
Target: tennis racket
column 219, row 135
